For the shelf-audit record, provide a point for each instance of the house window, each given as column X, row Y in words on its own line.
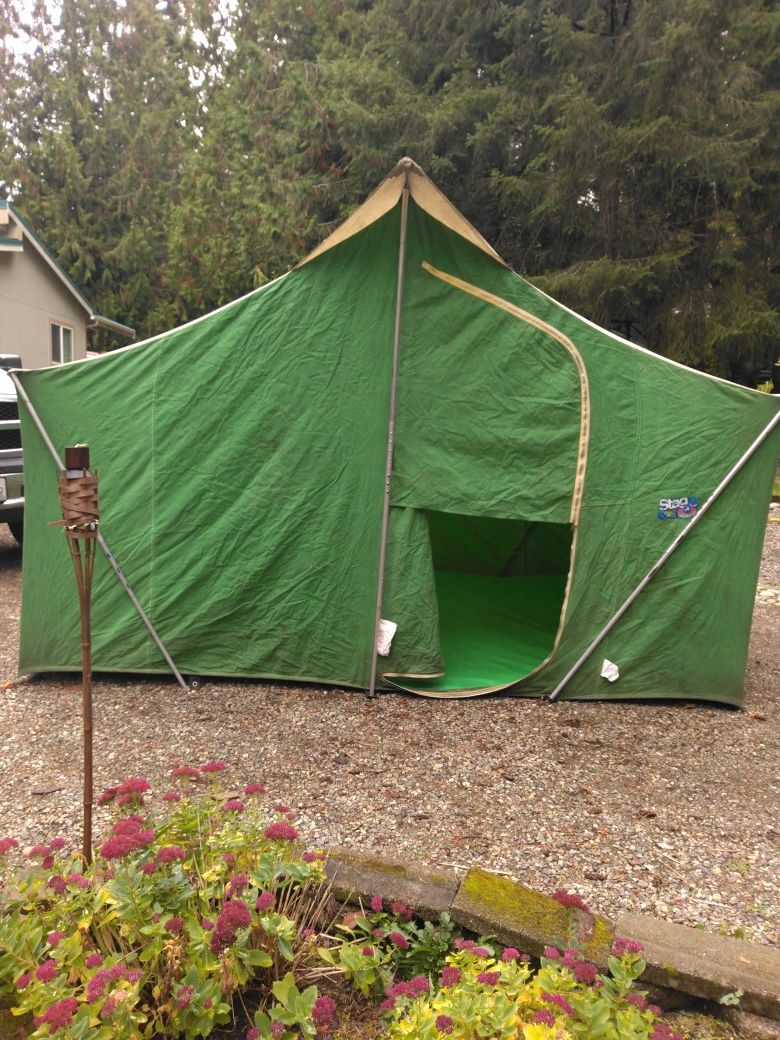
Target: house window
column 61, row 344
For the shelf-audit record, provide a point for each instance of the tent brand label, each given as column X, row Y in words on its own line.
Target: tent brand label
column 678, row 508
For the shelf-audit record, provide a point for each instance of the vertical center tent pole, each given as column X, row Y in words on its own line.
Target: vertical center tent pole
column 665, row 555
column 100, row 539
column 399, row 295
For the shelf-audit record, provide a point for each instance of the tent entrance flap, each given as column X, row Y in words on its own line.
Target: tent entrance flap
column 500, row 588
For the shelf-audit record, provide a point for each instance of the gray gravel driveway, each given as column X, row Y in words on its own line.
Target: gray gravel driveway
column 671, row 809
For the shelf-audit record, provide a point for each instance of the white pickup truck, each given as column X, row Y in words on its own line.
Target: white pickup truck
column 11, row 469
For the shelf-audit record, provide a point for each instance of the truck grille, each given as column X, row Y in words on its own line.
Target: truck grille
column 10, row 436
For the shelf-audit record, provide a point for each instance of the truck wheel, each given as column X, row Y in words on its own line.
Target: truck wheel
column 17, row 529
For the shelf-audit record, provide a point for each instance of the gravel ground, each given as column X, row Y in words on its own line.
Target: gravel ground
column 669, row 809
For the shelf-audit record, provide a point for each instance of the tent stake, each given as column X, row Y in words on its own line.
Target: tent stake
column 100, row 539
column 665, row 556
column 399, row 294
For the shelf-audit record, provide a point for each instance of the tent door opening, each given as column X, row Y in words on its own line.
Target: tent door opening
column 500, row 587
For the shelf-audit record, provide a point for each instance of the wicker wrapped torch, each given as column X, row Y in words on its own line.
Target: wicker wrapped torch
column 80, row 516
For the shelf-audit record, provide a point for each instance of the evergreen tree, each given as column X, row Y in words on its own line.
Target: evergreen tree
column 101, row 121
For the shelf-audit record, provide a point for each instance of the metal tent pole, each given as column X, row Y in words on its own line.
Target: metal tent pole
column 665, row 556
column 399, row 294
column 100, row 539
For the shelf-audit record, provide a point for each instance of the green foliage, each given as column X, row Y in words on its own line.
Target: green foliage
column 156, row 937
column 505, row 998
column 381, row 945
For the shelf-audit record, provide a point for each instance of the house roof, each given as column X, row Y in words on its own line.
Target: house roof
column 48, row 259
column 11, row 244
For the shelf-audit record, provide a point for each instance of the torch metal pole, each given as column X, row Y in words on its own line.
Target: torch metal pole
column 80, row 517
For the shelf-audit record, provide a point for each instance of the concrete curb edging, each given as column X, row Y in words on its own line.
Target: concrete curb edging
column 681, row 961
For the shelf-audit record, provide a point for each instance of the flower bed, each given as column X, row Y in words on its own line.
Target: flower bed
column 202, row 909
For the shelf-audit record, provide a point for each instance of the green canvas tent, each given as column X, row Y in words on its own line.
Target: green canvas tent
column 401, row 430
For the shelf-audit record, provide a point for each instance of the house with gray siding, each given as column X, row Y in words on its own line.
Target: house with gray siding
column 45, row 317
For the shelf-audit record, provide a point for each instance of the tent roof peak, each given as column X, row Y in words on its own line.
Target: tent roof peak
column 405, row 174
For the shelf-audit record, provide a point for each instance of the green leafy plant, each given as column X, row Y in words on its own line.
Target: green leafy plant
column 176, row 916
column 479, row 995
column 384, row 942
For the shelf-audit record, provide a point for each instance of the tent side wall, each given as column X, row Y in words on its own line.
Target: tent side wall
column 657, row 431
column 242, row 473
column 241, row 461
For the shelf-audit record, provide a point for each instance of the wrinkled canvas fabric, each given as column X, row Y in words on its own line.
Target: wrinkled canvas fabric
column 242, row 463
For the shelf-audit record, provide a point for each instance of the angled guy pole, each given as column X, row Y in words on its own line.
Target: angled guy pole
column 78, row 488
column 738, row 465
column 23, row 396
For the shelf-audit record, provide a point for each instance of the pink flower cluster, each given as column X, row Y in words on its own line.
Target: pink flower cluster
column 399, row 940
column 582, row 970
column 662, row 1031
column 213, row 767
column 6, row 844
column 96, row 987
column 128, row 792
column 402, row 910
column 233, row 805
column 134, row 785
column 44, row 853
column 58, row 1016
column 264, row 901
column 53, row 938
column 47, row 971
column 559, row 1002
column 236, row 885
column 171, row 853
column 444, row 1024
column 570, row 899
column 545, row 1017
column 313, row 857
column 621, row 946
column 127, row 835
column 449, row 977
column 184, row 997
column 412, row 988
column 489, row 978
column 323, row 1011
column 255, row 789
column 235, row 916
column 186, row 772
column 281, row 831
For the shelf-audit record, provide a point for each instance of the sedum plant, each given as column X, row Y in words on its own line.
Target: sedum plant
column 174, row 918
column 481, row 995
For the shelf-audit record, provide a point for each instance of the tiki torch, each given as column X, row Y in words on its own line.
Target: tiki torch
column 79, row 503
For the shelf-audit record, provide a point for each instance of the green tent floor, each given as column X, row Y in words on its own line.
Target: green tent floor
column 494, row 631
